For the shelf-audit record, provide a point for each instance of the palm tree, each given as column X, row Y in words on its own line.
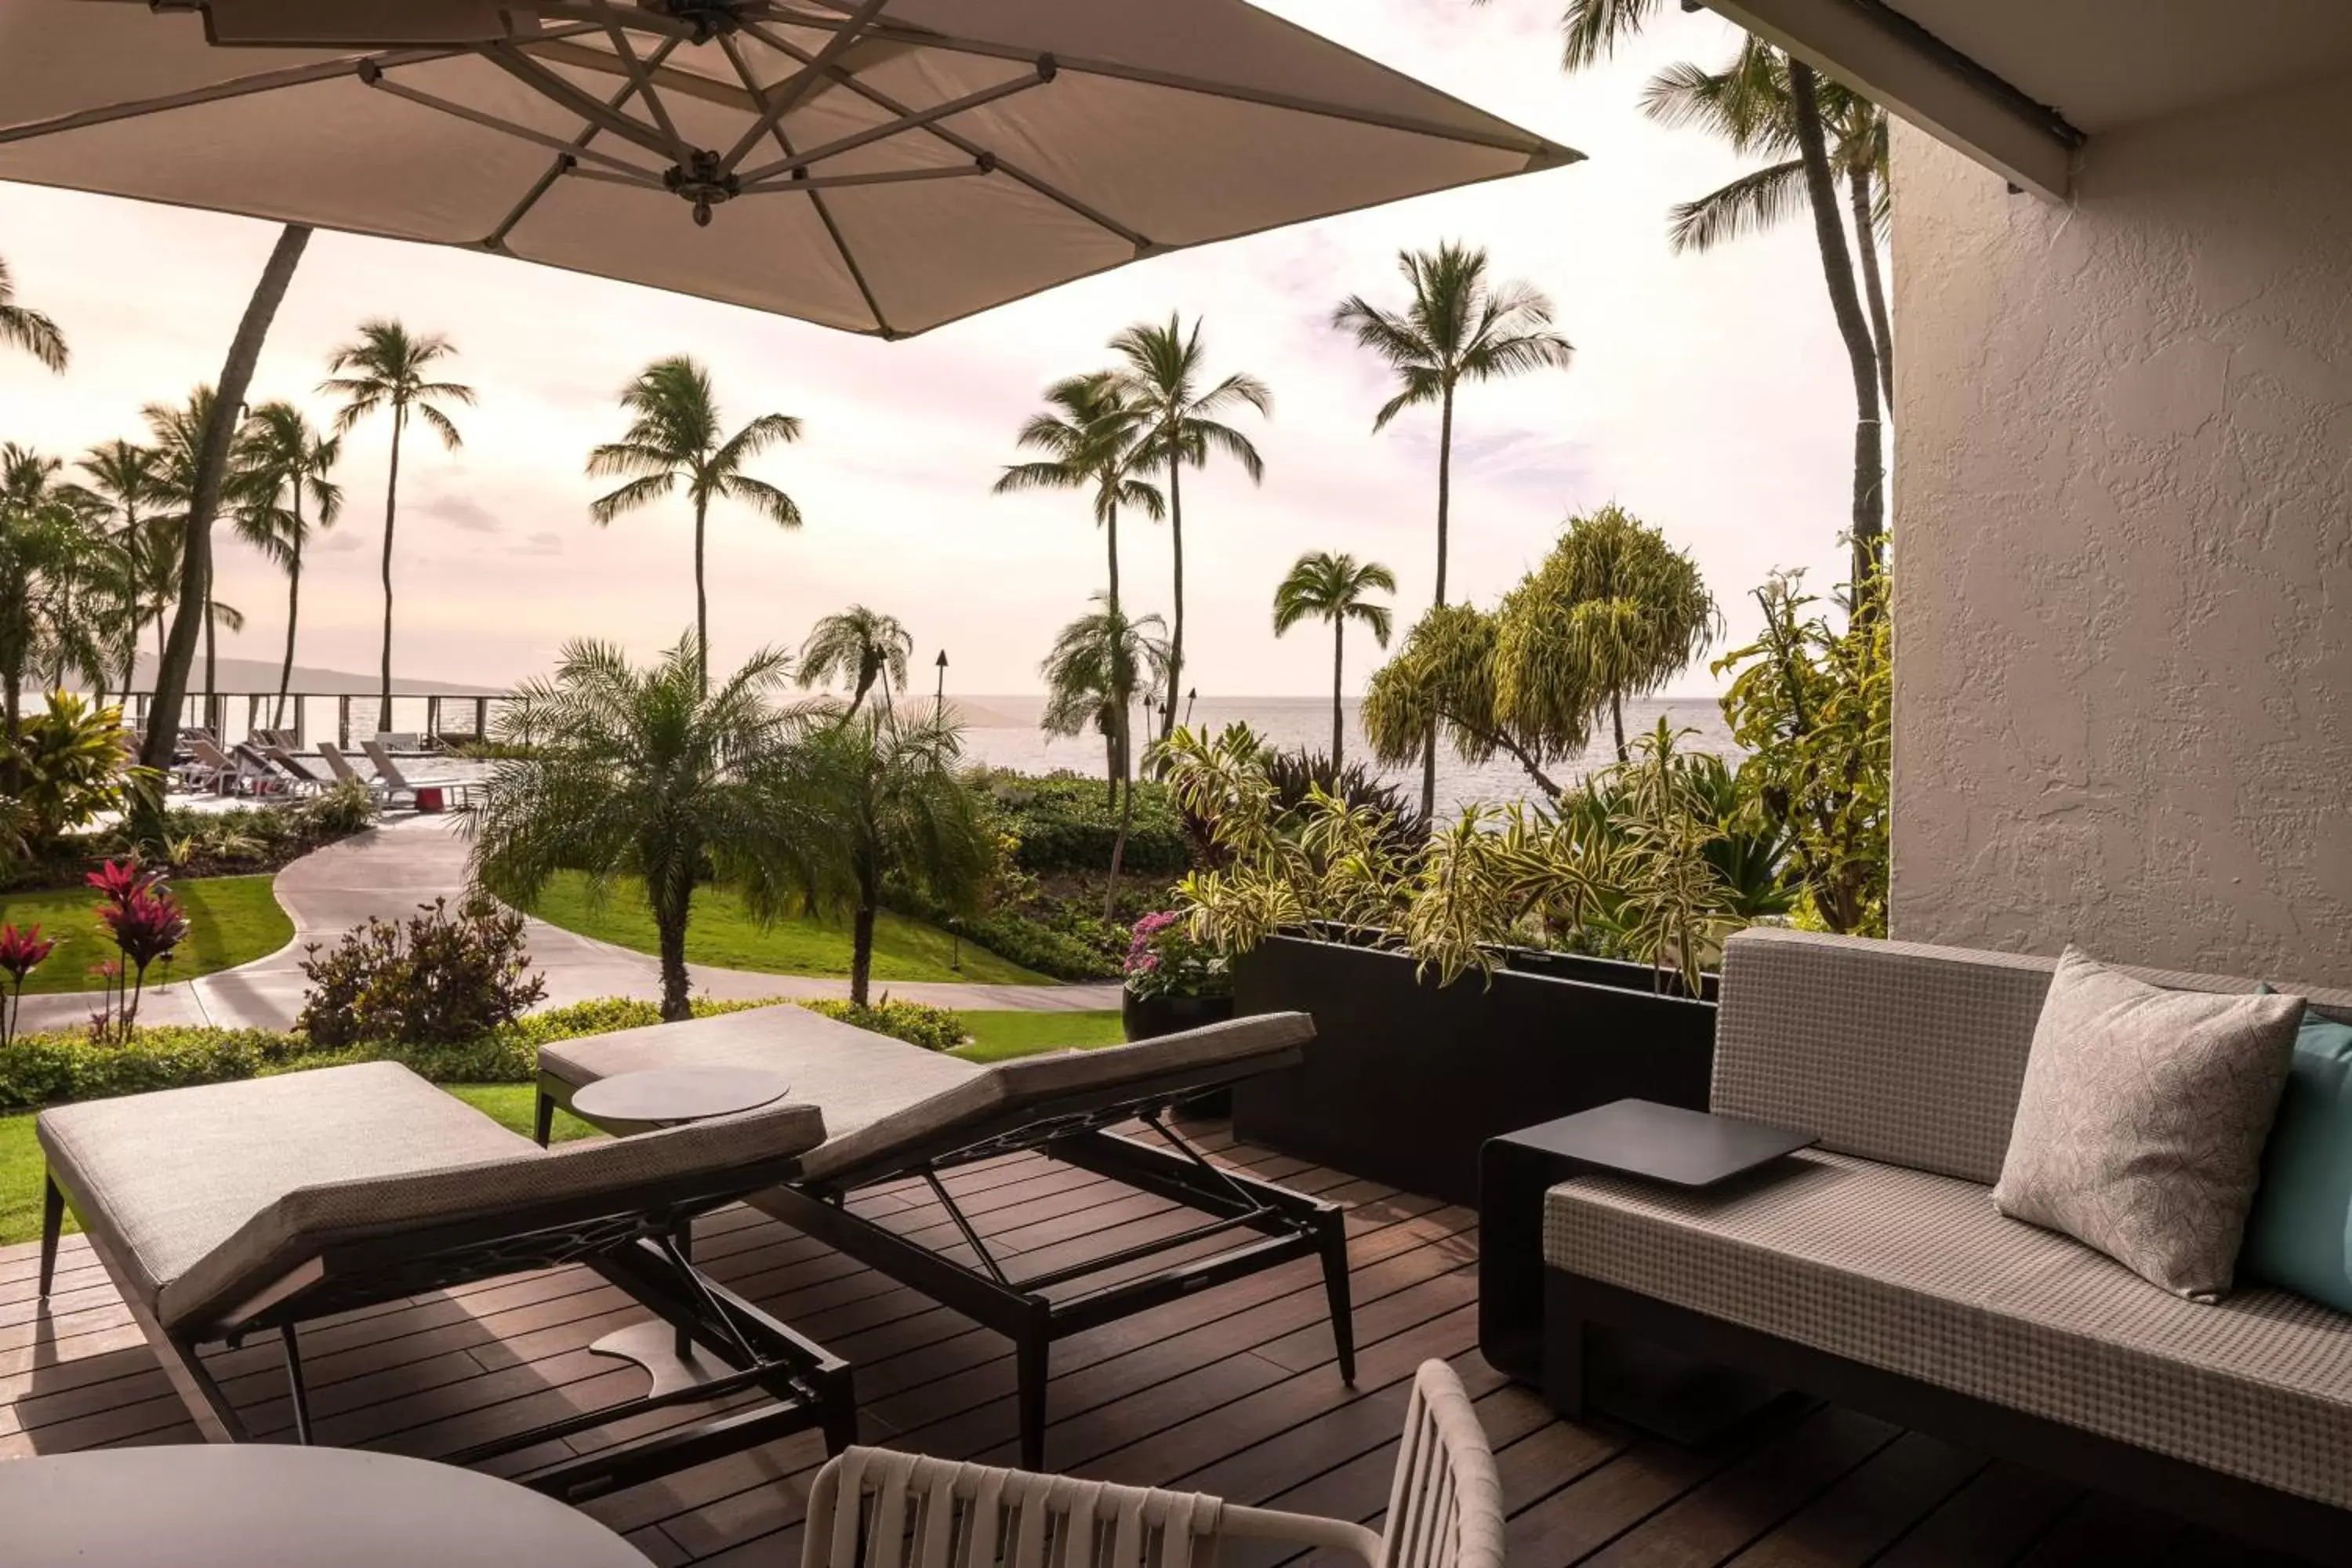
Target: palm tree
column 289, row 463
column 860, row 646
column 897, row 806
column 1459, row 327
column 387, row 369
column 1162, row 380
column 1093, row 436
column 178, row 432
column 122, row 474
column 58, row 578
column 673, row 436
column 29, row 330
column 1335, row 589
column 1613, row 612
column 1099, row 665
column 646, row 774
column 1771, row 102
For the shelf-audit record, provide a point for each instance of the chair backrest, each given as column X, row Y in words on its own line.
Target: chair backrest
column 877, row 1508
column 293, row 764
column 252, row 760
column 385, row 768
column 337, row 763
column 212, row 756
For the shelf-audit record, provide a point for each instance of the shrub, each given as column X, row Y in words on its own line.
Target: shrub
column 1164, row 959
column 68, row 766
column 933, row 1028
column 437, row 979
column 337, row 812
column 1064, row 823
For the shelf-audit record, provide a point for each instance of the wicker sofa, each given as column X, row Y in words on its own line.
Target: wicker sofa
column 1874, row 1269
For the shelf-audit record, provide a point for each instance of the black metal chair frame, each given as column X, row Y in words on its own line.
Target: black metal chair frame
column 1282, row 1224
column 632, row 1242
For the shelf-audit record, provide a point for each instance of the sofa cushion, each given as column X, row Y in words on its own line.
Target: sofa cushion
column 854, row 1075
column 2299, row 1235
column 1918, row 1274
column 204, row 1196
column 2141, row 1124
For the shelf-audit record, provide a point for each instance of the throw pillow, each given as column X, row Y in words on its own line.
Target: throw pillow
column 2140, row 1128
column 2300, row 1233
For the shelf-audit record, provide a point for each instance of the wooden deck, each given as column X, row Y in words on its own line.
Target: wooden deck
column 1232, row 1391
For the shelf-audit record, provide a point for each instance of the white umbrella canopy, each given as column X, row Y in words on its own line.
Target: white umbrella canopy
column 879, row 167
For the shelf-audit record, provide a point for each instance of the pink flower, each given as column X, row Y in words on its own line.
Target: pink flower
column 22, row 951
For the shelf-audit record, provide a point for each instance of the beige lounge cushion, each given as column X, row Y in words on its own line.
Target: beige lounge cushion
column 854, row 1075
column 2141, row 1123
column 1010, row 1094
column 204, row 1196
column 1919, row 1275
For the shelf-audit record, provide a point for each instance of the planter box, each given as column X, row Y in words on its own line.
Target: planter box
column 1405, row 1080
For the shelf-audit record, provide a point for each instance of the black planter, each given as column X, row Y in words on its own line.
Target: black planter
column 1405, row 1080
column 1149, row 1017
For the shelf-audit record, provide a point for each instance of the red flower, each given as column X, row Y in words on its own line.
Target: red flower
column 21, row 952
column 146, row 925
column 117, row 882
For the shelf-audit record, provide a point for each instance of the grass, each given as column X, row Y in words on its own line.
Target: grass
column 1001, row 1036
column 231, row 920
column 722, row 933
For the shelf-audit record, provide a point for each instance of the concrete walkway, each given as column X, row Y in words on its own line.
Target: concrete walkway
column 409, row 861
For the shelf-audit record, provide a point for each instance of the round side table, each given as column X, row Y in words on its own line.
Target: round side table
column 669, row 1097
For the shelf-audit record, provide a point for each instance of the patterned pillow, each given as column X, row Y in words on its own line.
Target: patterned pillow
column 2140, row 1128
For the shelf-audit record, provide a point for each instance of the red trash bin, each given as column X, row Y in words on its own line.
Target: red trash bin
column 428, row 798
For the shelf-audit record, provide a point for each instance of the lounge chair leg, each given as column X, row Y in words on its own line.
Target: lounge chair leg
column 1334, row 1238
column 543, row 1122
column 840, row 1397
column 294, row 1384
column 1032, row 1352
column 53, row 1222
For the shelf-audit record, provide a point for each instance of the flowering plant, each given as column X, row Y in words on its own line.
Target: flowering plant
column 21, row 953
column 148, row 925
column 1163, row 959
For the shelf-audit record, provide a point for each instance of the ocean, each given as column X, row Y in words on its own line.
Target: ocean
column 1002, row 732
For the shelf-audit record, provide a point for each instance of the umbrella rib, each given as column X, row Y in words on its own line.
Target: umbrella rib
column 375, row 77
column 896, row 33
column 497, row 239
column 590, row 107
column 963, row 144
column 213, row 92
column 642, row 81
column 823, row 210
column 880, row 177
column 791, row 91
column 905, row 122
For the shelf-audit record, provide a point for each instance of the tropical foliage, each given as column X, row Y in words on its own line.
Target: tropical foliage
column 388, row 369
column 22, row 327
column 645, row 773
column 1100, row 664
column 1093, row 437
column 1335, row 589
column 858, row 647
column 440, row 977
column 65, row 767
column 284, row 466
column 676, row 436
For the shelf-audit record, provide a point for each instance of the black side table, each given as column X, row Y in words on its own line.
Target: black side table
column 1632, row 1137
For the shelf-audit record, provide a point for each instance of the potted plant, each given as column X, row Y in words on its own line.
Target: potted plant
column 1174, row 981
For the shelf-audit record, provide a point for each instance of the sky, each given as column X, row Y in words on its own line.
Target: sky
column 1708, row 395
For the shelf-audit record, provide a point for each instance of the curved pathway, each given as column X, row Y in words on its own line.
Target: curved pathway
column 391, row 869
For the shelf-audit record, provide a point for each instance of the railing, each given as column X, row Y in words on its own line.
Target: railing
column 440, row 718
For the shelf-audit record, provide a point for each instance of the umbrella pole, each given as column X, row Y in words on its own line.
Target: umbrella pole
column 212, row 473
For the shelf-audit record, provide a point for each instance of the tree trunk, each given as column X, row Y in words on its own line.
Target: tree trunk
column 131, row 643
column 1617, row 722
column 669, row 921
column 1837, row 269
column 1873, row 289
column 211, row 628
column 1110, row 532
column 1445, row 493
column 1176, row 640
column 293, row 612
column 861, row 937
column 1338, row 654
column 701, row 597
column 391, row 506
column 212, row 471
column 1118, row 844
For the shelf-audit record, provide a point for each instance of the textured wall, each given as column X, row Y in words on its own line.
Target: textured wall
column 2124, row 523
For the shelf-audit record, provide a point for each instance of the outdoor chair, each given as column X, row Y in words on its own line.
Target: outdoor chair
column 297, row 768
column 341, row 766
column 224, row 773
column 877, row 1508
column 268, row 772
column 233, row 1210
column 395, row 783
column 898, row 1111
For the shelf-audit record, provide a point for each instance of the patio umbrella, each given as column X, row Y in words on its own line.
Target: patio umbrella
column 881, row 166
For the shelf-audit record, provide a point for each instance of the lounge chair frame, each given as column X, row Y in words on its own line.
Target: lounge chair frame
column 635, row 1246
column 1073, row 1129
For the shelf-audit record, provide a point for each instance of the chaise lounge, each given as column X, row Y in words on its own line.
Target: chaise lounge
column 896, row 1111
column 1874, row 1269
column 239, row 1209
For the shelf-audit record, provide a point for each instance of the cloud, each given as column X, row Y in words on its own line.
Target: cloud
column 338, row 542
column 546, row 541
column 462, row 512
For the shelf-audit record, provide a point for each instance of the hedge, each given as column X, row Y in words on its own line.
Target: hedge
column 1064, row 823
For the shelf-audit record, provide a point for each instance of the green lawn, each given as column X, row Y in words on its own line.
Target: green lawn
column 999, row 1037
column 720, row 932
column 231, row 920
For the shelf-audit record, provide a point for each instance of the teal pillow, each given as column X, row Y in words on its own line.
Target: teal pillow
column 2299, row 1236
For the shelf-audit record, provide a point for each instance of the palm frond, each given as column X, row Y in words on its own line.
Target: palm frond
column 1752, row 203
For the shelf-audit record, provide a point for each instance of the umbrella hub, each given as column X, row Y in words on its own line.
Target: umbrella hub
column 708, row 18
column 704, row 180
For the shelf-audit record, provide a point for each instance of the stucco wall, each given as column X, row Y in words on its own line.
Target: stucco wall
column 2123, row 534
